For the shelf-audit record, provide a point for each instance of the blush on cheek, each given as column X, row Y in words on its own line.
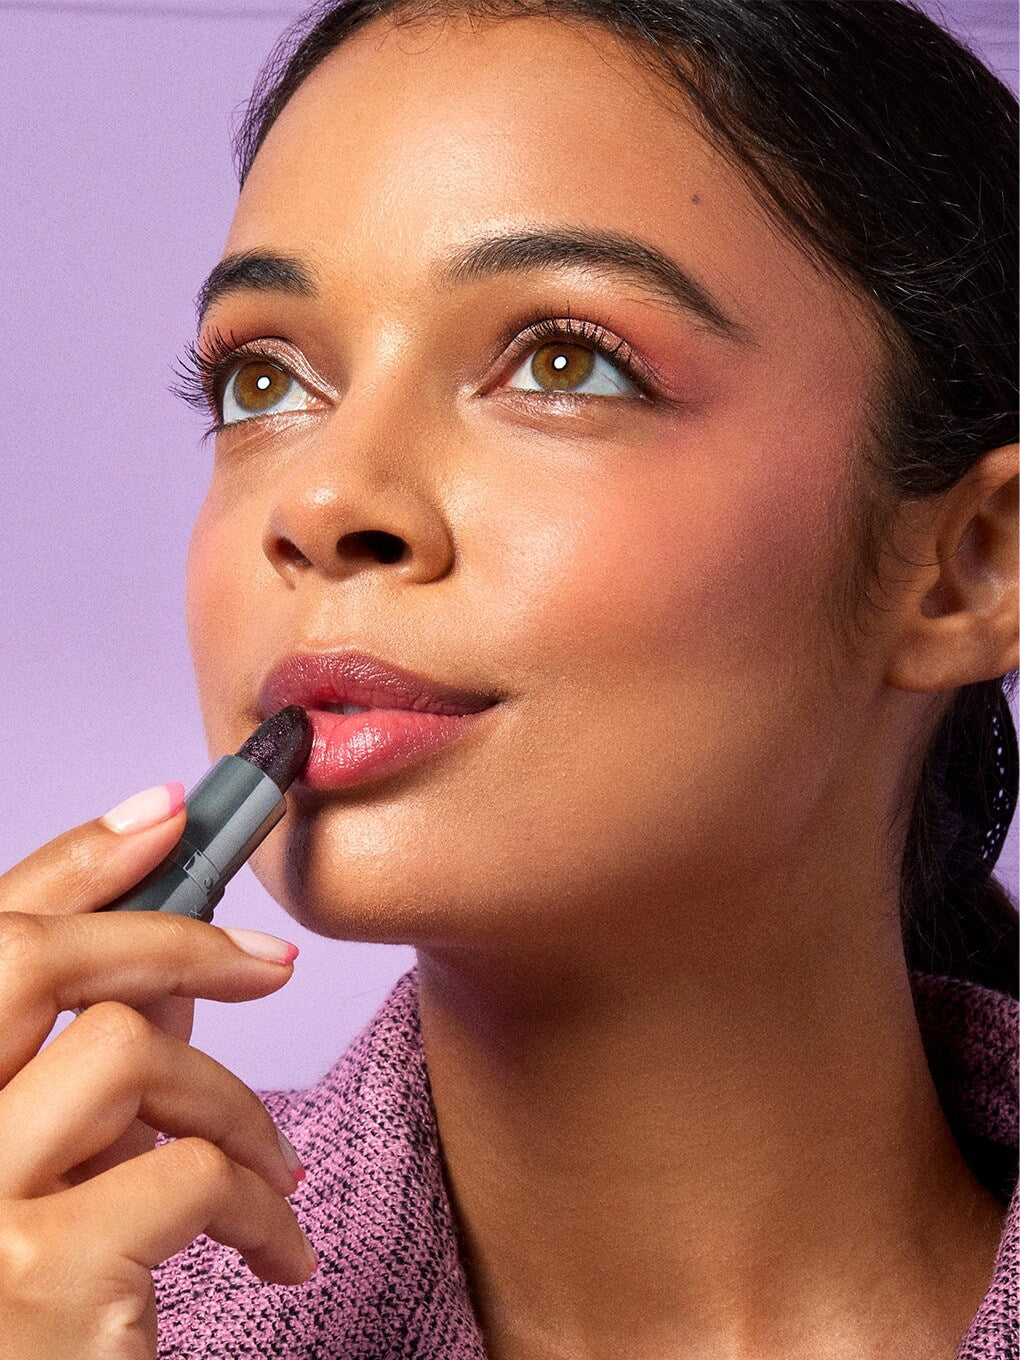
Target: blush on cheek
column 701, row 552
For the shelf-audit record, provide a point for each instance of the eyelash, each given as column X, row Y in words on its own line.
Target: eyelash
column 204, row 370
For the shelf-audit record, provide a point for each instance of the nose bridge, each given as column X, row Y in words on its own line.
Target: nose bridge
column 361, row 493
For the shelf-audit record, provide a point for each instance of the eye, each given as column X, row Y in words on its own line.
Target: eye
column 260, row 387
column 563, row 367
column 578, row 358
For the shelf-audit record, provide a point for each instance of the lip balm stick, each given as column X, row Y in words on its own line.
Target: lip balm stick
column 231, row 810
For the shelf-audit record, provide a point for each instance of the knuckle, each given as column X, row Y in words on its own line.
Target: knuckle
column 178, row 942
column 206, row 1162
column 115, row 1025
column 24, row 1257
column 21, row 934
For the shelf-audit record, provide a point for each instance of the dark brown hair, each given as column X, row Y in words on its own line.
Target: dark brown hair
column 889, row 152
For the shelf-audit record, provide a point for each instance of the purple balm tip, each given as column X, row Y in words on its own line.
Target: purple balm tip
column 280, row 745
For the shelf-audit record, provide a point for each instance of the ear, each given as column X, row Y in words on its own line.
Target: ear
column 957, row 600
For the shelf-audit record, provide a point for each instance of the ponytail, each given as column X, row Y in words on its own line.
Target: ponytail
column 956, row 918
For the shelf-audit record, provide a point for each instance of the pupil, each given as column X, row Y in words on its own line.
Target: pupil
column 260, row 385
column 561, row 367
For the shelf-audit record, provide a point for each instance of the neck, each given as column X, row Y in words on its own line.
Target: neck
column 682, row 1155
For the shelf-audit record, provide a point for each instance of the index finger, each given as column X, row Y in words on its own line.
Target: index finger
column 53, row 964
column 90, row 865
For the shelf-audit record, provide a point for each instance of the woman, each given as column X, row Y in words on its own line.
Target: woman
column 643, row 374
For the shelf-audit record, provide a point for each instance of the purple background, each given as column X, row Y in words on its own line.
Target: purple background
column 114, row 139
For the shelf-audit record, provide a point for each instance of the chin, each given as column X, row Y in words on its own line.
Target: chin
column 303, row 878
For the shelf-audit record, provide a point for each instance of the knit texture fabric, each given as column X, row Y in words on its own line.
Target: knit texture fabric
column 391, row 1283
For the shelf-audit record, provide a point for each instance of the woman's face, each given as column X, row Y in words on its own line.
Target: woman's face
column 641, row 566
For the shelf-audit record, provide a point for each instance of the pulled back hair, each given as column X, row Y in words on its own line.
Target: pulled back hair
column 888, row 152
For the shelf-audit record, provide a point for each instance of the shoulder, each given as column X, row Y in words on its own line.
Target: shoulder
column 971, row 1040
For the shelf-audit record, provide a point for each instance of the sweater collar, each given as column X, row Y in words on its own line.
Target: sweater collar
column 401, row 1255
column 970, row 1039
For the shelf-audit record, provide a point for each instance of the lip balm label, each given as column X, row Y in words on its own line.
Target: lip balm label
column 197, row 867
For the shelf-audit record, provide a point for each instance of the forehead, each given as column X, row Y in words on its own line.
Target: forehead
column 408, row 140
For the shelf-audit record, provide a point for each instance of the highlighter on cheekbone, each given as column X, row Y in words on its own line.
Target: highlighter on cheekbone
column 230, row 811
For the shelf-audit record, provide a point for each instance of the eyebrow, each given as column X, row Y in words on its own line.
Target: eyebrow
column 605, row 252
column 254, row 271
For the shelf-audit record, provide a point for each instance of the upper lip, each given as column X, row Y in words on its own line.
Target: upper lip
column 313, row 679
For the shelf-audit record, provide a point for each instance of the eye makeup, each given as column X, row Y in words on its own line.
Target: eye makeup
column 208, row 366
column 587, row 333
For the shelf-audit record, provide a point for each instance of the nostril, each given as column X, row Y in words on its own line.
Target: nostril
column 291, row 553
column 376, row 542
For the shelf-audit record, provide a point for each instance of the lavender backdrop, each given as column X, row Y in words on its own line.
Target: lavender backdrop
column 114, row 141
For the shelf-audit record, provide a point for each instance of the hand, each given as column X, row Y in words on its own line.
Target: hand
column 88, row 1203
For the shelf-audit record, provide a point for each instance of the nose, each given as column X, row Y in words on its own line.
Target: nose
column 334, row 516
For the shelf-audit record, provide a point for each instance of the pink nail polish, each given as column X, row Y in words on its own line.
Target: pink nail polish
column 145, row 809
column 262, row 946
column 291, row 1157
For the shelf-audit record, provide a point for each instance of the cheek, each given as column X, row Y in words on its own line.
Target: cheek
column 218, row 610
column 679, row 635
column 701, row 560
column 204, row 590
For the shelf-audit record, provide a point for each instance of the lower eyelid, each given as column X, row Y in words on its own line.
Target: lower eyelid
column 637, row 394
column 580, row 406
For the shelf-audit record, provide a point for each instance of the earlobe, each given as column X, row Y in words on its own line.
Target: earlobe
column 961, row 612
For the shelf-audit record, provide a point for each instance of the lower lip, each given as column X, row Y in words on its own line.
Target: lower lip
column 350, row 747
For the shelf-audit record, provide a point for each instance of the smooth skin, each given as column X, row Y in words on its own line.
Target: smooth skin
column 681, row 1093
column 680, row 1088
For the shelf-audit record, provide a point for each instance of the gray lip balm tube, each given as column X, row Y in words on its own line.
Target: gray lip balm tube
column 230, row 811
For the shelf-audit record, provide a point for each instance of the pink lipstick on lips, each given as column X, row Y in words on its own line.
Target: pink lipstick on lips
column 367, row 716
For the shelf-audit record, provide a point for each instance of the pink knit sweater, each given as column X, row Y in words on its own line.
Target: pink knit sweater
column 390, row 1281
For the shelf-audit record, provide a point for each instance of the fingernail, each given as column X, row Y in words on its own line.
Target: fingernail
column 148, row 808
column 261, row 946
column 290, row 1157
column 312, row 1257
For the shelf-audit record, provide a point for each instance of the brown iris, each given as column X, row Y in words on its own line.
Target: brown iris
column 560, row 366
column 260, row 385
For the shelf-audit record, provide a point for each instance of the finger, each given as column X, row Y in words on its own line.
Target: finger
column 152, row 1207
column 53, row 964
column 107, row 1068
column 90, row 865
column 172, row 1014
